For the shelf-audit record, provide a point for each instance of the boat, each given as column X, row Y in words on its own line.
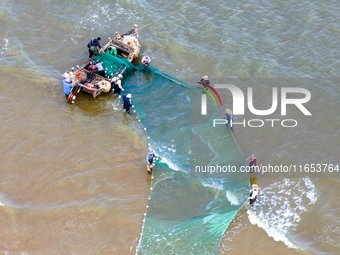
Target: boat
column 85, row 78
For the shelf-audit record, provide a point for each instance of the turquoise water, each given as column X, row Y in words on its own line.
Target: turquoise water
column 188, row 212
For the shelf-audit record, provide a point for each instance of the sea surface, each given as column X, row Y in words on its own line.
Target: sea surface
column 73, row 177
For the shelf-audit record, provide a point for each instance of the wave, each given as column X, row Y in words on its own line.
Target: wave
column 279, row 207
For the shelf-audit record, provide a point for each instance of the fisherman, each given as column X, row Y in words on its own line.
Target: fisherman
column 205, row 81
column 252, row 159
column 253, row 194
column 72, row 75
column 117, row 84
column 146, row 60
column 100, row 68
column 149, row 160
column 92, row 45
column 67, row 86
column 118, row 37
column 112, row 50
column 229, row 117
column 66, row 75
column 126, row 102
column 133, row 31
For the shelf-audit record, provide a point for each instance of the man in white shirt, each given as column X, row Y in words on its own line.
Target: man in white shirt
column 100, row 68
column 146, row 60
column 117, row 84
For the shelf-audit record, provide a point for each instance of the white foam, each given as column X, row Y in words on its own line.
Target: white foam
column 4, row 46
column 232, row 198
column 279, row 207
column 171, row 165
column 117, row 106
column 213, row 183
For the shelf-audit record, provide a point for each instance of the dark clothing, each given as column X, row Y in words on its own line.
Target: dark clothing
column 92, row 45
column 116, row 88
column 252, row 161
column 149, row 157
column 116, row 85
column 133, row 31
column 102, row 73
column 93, row 42
column 126, row 104
column 91, row 53
column 252, row 200
column 230, row 120
column 205, row 83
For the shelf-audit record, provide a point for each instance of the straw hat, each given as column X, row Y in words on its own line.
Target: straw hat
column 128, row 95
column 105, row 86
column 255, row 186
column 230, row 112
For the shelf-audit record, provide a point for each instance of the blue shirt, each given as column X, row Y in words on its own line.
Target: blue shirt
column 67, row 87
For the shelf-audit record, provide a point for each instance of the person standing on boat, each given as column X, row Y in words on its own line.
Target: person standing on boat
column 100, row 68
column 229, row 118
column 133, row 31
column 150, row 156
column 117, row 84
column 72, row 75
column 253, row 194
column 93, row 46
column 67, row 75
column 118, row 37
column 205, row 81
column 146, row 60
column 127, row 103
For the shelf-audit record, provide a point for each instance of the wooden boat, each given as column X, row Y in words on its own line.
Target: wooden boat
column 88, row 81
column 127, row 47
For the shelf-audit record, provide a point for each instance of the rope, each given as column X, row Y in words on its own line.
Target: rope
column 167, row 15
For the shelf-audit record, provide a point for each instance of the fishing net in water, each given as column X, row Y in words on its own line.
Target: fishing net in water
column 114, row 65
column 189, row 208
